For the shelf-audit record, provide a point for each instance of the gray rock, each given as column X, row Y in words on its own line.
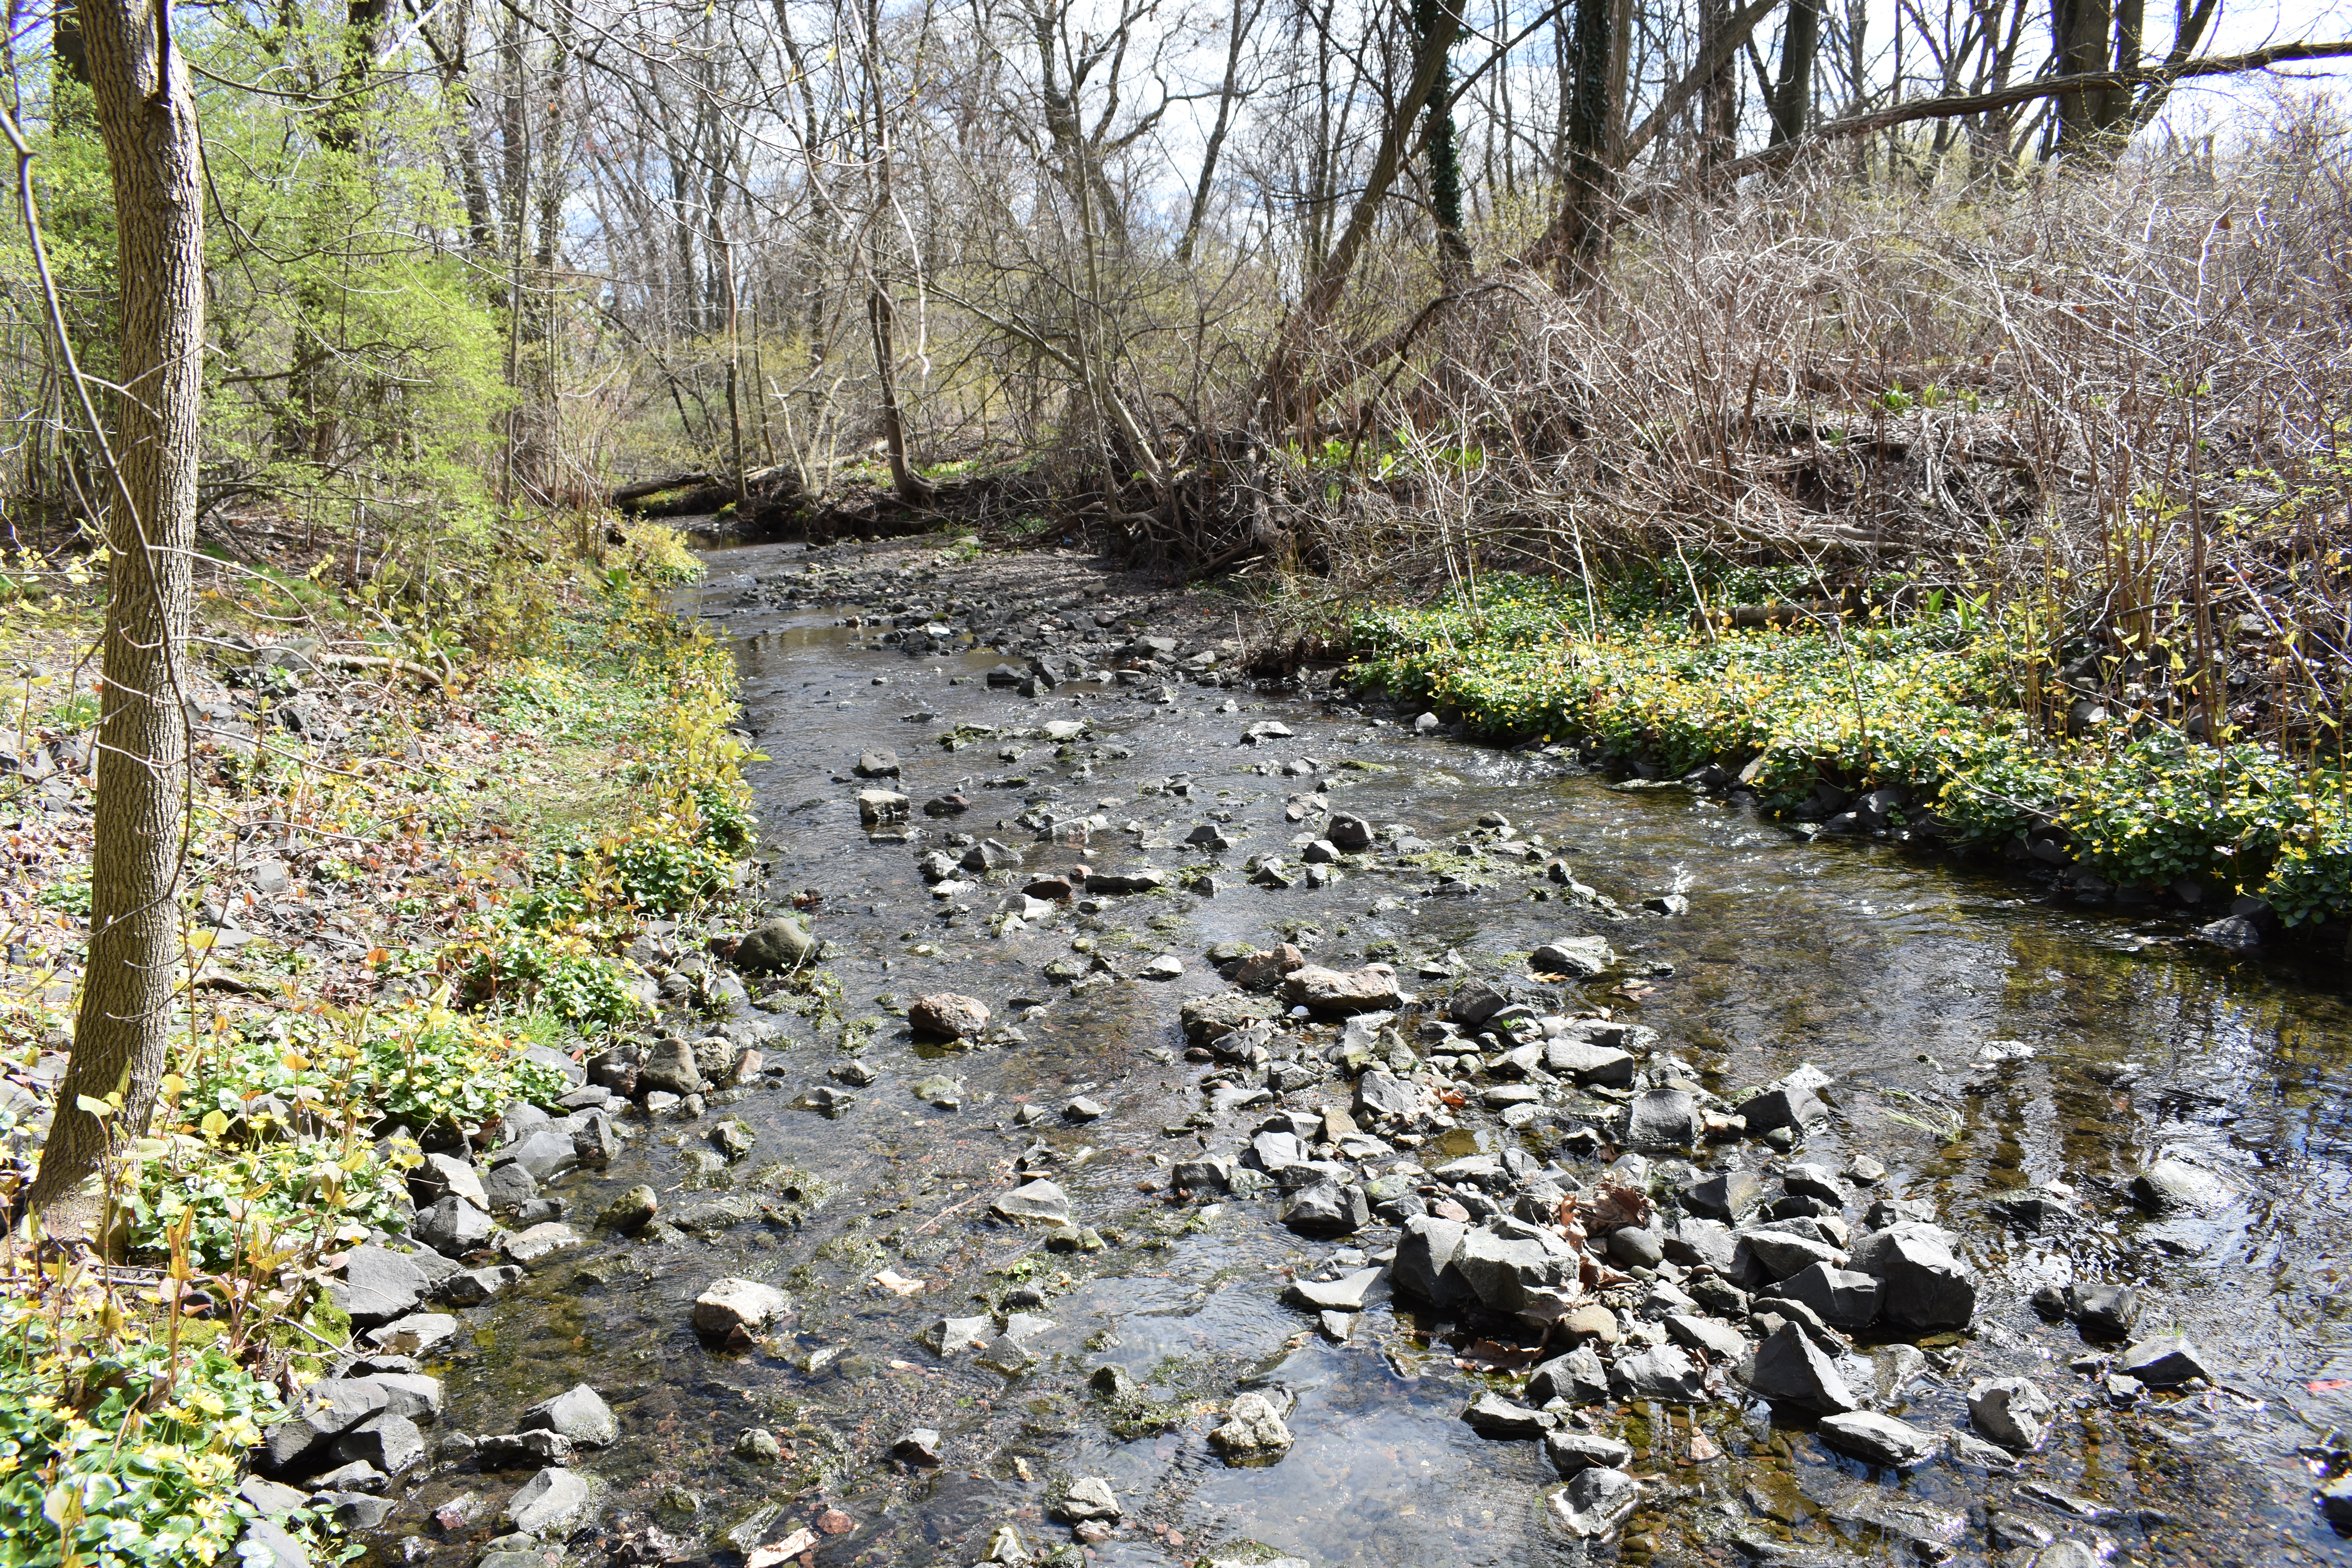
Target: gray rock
column 1570, row 1451
column 2171, row 1185
column 325, row 1410
column 1089, row 1497
column 919, row 1446
column 454, row 1226
column 1371, row 989
column 878, row 763
column 268, row 1498
column 632, row 1210
column 378, row 1285
column 1588, row 1063
column 531, row 1247
column 1578, row 1377
column 1664, row 1119
column 414, row 1334
column 358, row 1476
column 1782, row 1254
column 2013, row 1411
column 1253, row 1429
column 1597, row 1500
column 948, row 1016
column 284, row 1551
column 949, row 1335
column 1328, row 1208
column 1698, row 1241
column 1424, row 1260
column 549, row 1501
column 409, row 1393
column 1790, row 1102
column 1038, row 1200
column 727, row 1306
column 1880, row 1439
column 2165, row 1362
column 1662, row 1373
column 1923, row 1285
column 669, row 1065
column 1381, row 1096
column 578, row 1413
column 1842, row 1298
column 1344, row 1294
column 759, row 1445
column 1727, row 1195
column 509, row 1188
column 1724, row 1344
column 1492, row 1416
column 445, row 1176
column 390, row 1443
column 473, row 1286
column 1578, row 957
column 594, row 1143
column 544, row 1153
column 1501, row 1271
column 2106, row 1311
column 1791, row 1368
column 1636, row 1247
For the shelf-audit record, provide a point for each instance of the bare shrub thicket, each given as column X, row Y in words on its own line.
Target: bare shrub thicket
column 2108, row 413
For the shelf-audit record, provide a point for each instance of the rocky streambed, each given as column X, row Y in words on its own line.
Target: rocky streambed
column 1251, row 1126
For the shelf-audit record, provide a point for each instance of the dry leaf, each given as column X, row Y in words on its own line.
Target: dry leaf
column 783, row 1551
column 897, row 1284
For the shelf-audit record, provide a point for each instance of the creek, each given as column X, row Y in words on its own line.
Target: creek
column 1978, row 1039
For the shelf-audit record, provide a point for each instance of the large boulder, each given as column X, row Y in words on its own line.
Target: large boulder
column 1506, row 1272
column 1790, row 1102
column 1922, row 1285
column 378, row 1285
column 1789, row 1368
column 1578, row 1377
column 1842, row 1298
column 578, row 1415
column 1664, row 1119
column 669, row 1065
column 1328, row 1208
column 1211, row 1018
column 1664, row 1373
column 1424, row 1261
column 2013, row 1412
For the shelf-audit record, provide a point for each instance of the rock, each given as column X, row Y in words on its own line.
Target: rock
column 1588, row 1063
column 1664, row 1119
column 1880, row 1439
column 389, row 1443
column 529, row 1248
column 1570, row 1451
column 1698, row 1241
column 1923, row 1286
column 2170, row 1186
column 1597, row 1500
column 510, row 1187
column 1207, row 1175
column 1328, row 1208
column 878, row 806
column 1578, row 957
column 1085, row 1109
column 632, row 1210
column 1371, row 989
column 1492, row 1416
column 378, row 1285
column 949, row 1335
column 325, row 1410
column 946, row 1015
column 548, row 1500
column 408, row 1394
column 454, row 1226
column 731, row 1305
column 1728, row 1195
column 1724, row 1344
column 758, row 1445
column 276, row 1548
column 268, row 1498
column 1089, row 1497
column 1782, row 1254
column 1842, row 1298
column 1344, row 1294
column 1791, row 1368
column 445, row 1176
column 1348, row 832
column 579, row 1413
column 1578, row 1377
column 876, row 764
column 1208, row 1018
column 1167, row 966
column 1253, row 1429
column 669, row 1065
column 919, row 1446
column 1502, row 1271
column 1424, row 1259
column 473, row 1286
column 777, row 945
column 1383, row 1097
column 1786, row 1103
column 1037, row 1200
column 416, row 1333
column 1636, row 1247
column 2165, row 1362
column 2013, row 1411
column 594, row 1143
column 2106, row 1311
column 1662, row 1373
column 1140, row 879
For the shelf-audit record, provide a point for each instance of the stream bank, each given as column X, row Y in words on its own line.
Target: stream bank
column 2014, row 1067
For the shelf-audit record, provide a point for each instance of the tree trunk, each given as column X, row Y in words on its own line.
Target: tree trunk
column 1792, row 94
column 1431, row 18
column 1718, row 111
column 1580, row 228
column 147, row 116
column 2080, row 27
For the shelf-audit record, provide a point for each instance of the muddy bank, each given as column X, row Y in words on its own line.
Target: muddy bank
column 2012, row 1069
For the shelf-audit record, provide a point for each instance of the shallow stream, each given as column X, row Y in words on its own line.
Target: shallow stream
column 1978, row 1038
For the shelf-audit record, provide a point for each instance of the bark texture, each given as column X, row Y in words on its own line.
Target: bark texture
column 147, row 117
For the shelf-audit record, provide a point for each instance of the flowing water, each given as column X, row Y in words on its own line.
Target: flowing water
column 1979, row 1038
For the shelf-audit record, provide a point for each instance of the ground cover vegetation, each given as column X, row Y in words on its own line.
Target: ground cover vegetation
column 1930, row 401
